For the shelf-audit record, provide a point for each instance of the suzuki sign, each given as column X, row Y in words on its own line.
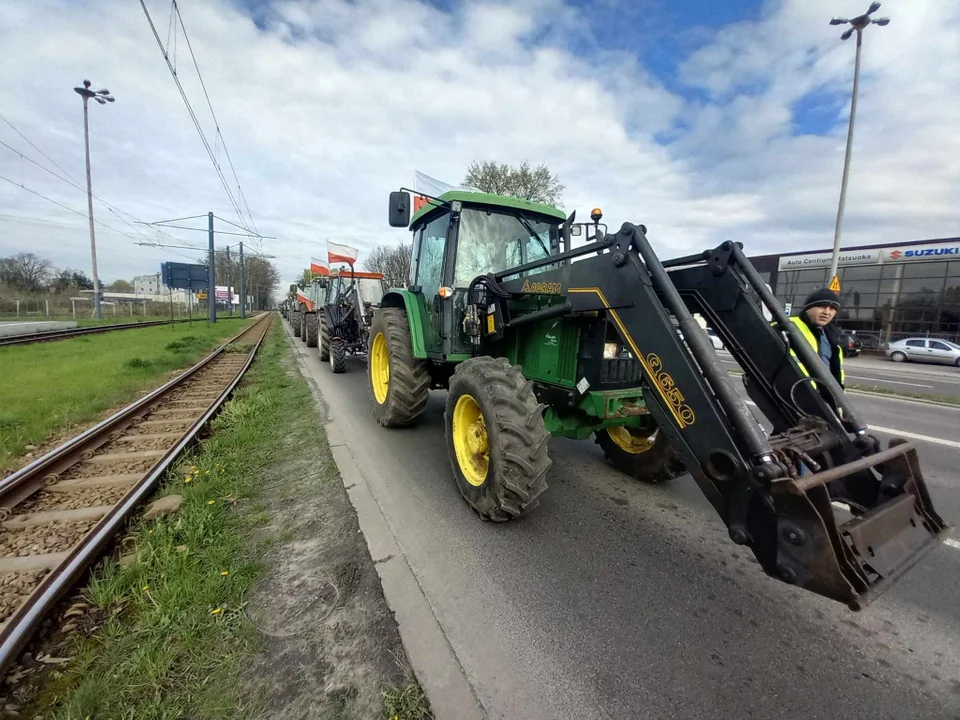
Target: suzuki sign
column 872, row 256
column 921, row 253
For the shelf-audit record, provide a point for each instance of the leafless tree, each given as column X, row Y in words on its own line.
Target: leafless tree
column 25, row 272
column 537, row 184
column 393, row 262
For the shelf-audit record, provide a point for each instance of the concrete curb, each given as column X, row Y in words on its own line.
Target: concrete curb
column 433, row 660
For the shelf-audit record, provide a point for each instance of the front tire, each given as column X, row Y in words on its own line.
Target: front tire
column 338, row 356
column 324, row 337
column 311, row 324
column 644, row 455
column 399, row 382
column 496, row 438
column 898, row 357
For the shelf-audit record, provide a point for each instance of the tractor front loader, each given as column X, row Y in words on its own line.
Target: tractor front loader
column 346, row 315
column 533, row 338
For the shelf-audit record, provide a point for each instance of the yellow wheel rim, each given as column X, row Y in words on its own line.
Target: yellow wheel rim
column 380, row 369
column 470, row 440
column 630, row 440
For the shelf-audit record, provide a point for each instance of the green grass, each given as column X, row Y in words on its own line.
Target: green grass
column 178, row 643
column 46, row 387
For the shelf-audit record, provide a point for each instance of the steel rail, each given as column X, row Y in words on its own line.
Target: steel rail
column 18, row 629
column 96, row 330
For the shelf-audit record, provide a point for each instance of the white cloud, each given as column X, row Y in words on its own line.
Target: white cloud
column 335, row 103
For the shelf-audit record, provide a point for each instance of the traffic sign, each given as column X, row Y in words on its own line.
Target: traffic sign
column 835, row 284
column 201, row 296
column 184, row 276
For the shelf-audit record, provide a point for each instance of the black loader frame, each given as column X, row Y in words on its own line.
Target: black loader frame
column 776, row 494
column 345, row 318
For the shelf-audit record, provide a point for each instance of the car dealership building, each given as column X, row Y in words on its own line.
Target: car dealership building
column 888, row 292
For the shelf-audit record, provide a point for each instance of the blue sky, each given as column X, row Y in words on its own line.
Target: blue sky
column 704, row 120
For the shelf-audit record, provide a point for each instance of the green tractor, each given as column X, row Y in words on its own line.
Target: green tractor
column 532, row 338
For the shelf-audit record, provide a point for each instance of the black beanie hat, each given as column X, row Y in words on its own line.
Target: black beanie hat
column 823, row 296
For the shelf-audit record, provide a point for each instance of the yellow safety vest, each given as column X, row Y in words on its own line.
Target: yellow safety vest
column 812, row 339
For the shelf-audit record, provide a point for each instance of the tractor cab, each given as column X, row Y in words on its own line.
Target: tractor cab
column 461, row 235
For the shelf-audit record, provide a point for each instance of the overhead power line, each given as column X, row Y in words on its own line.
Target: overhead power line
column 69, row 179
column 216, row 123
column 52, row 161
column 111, row 208
column 194, row 119
column 65, row 207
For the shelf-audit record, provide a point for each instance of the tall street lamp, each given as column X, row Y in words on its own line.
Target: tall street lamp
column 857, row 25
column 102, row 97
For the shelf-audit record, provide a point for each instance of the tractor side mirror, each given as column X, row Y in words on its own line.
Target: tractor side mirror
column 576, row 230
column 399, row 209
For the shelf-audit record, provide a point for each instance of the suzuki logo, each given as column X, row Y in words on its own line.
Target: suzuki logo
column 896, row 254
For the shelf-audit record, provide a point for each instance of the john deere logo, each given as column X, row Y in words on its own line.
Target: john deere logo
column 541, row 288
column 896, row 254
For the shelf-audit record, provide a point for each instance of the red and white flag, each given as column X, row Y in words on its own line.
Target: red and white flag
column 341, row 253
column 319, row 267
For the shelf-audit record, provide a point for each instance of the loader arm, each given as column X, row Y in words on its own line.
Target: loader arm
column 773, row 492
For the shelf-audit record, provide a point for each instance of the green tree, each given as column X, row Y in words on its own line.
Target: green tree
column 536, row 184
column 121, row 286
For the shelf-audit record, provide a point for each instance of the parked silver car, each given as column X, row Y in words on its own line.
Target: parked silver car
column 924, row 350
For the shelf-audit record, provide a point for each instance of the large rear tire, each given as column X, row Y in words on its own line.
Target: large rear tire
column 399, row 382
column 644, row 455
column 295, row 322
column 324, row 336
column 311, row 323
column 496, row 438
column 303, row 326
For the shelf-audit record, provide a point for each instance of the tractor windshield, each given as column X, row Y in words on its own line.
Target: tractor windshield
column 371, row 290
column 492, row 240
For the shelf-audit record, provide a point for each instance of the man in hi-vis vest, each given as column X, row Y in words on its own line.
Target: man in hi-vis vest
column 816, row 325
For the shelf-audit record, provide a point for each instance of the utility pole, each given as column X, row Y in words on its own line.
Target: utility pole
column 229, row 280
column 102, row 97
column 857, row 25
column 243, row 287
column 212, row 274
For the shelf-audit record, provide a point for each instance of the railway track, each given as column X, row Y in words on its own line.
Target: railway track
column 58, row 512
column 96, row 330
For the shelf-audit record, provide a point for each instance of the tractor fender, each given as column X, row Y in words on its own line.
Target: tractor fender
column 412, row 303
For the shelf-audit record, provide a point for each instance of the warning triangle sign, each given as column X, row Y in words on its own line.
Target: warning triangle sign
column 835, row 284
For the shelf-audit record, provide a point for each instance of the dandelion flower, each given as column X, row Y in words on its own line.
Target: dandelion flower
column 224, row 573
column 146, row 587
column 216, row 611
column 210, row 502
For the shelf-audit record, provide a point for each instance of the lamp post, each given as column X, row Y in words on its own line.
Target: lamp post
column 857, row 25
column 102, row 97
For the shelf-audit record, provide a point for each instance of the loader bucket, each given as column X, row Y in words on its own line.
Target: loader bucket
column 854, row 556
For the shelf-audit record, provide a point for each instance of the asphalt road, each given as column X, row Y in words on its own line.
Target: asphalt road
column 621, row 600
column 884, row 375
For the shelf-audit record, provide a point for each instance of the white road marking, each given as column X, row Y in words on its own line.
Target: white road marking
column 952, row 543
column 915, row 436
column 892, row 382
